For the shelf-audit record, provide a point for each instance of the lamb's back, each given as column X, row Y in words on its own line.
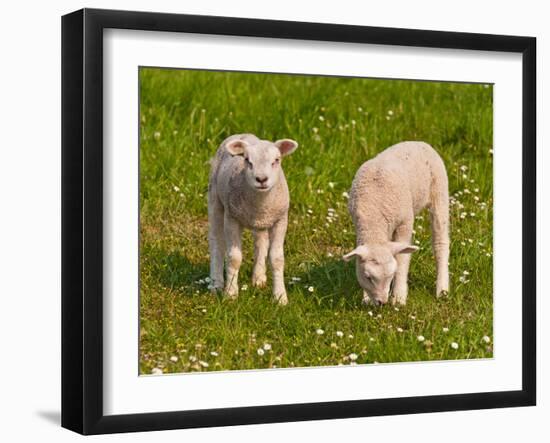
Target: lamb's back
column 413, row 160
column 399, row 177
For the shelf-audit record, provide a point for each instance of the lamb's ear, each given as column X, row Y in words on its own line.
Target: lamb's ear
column 286, row 146
column 402, row 248
column 236, row 147
column 359, row 251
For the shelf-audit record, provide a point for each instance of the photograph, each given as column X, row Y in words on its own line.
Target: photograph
column 291, row 221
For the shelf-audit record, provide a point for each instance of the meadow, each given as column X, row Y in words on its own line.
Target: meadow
column 339, row 123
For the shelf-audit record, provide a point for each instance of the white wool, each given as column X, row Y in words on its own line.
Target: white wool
column 248, row 189
column 386, row 194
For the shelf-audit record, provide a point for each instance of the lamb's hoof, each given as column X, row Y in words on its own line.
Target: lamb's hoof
column 231, row 294
column 398, row 300
column 281, row 299
column 216, row 289
column 442, row 293
column 259, row 281
column 367, row 301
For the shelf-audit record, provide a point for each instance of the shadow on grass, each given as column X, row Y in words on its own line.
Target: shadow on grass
column 174, row 270
column 334, row 281
column 334, row 284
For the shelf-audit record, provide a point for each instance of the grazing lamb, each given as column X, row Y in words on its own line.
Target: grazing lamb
column 248, row 189
column 386, row 194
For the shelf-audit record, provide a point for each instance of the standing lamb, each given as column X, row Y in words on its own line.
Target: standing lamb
column 248, row 189
column 386, row 194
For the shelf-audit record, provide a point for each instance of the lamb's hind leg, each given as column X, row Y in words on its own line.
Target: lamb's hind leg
column 233, row 232
column 261, row 247
column 400, row 286
column 277, row 260
column 440, row 235
column 216, row 241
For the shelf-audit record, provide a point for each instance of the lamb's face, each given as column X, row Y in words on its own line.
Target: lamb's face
column 262, row 160
column 376, row 266
column 375, row 272
column 263, row 166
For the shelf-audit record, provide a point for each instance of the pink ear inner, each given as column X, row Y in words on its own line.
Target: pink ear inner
column 286, row 146
column 236, row 147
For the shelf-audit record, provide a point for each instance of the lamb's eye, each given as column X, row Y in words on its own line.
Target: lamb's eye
column 248, row 162
column 276, row 162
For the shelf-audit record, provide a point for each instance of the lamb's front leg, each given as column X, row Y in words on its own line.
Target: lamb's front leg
column 234, row 256
column 400, row 286
column 261, row 247
column 277, row 259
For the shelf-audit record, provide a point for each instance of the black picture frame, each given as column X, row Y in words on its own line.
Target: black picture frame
column 82, row 218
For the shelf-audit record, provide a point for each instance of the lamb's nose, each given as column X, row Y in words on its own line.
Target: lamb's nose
column 261, row 179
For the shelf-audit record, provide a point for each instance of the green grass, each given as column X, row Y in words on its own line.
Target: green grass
column 339, row 123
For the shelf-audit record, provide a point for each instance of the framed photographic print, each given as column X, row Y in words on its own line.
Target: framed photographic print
column 269, row 221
